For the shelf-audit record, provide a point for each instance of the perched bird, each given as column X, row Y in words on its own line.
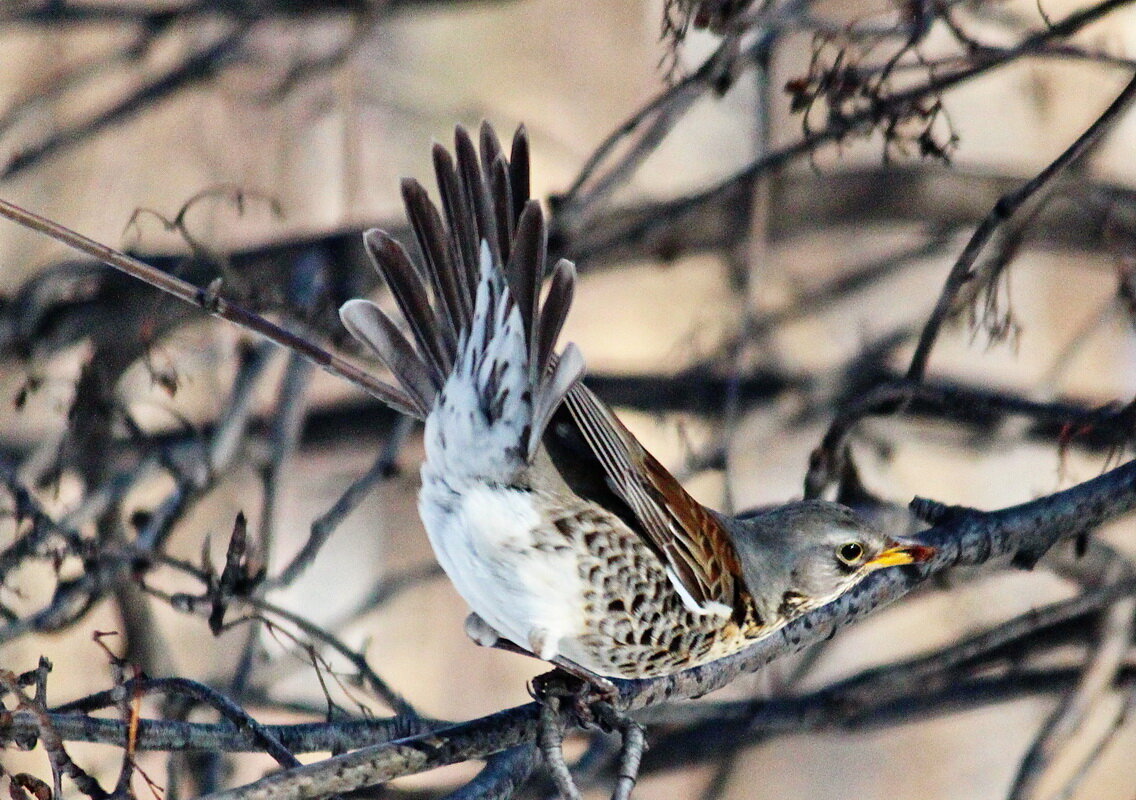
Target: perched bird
column 563, row 534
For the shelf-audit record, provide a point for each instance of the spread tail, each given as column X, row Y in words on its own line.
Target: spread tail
column 476, row 355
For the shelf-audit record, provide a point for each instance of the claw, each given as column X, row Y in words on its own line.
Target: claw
column 583, row 692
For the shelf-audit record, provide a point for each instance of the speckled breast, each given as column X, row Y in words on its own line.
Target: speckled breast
column 636, row 624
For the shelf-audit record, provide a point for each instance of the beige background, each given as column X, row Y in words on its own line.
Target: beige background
column 332, row 152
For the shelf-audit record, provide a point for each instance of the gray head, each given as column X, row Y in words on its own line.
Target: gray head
column 802, row 555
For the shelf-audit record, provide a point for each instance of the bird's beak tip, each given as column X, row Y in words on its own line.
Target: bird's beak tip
column 903, row 553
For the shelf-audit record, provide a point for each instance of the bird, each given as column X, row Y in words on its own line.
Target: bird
column 568, row 540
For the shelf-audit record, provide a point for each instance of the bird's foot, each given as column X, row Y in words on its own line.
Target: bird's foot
column 592, row 698
column 581, row 687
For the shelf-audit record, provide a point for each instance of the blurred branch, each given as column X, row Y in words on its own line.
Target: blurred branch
column 197, row 67
column 883, row 109
column 201, row 65
column 72, row 300
column 1108, row 427
column 55, row 12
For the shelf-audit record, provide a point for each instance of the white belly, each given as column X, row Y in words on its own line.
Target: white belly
column 484, row 539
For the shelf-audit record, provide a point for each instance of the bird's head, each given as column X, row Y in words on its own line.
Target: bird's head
column 799, row 556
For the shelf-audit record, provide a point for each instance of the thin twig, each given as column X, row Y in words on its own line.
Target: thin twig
column 195, row 68
column 962, row 271
column 209, row 301
column 322, row 528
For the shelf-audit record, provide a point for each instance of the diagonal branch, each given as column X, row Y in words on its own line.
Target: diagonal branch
column 962, row 272
column 208, row 300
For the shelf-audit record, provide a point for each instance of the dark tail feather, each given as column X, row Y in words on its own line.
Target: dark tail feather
column 519, row 170
column 496, row 171
column 476, row 192
column 524, row 270
column 405, row 283
column 554, row 311
column 463, row 240
column 454, row 309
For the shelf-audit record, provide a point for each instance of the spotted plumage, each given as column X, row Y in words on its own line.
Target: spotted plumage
column 636, row 625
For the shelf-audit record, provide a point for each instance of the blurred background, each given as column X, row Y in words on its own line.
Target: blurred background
column 729, row 306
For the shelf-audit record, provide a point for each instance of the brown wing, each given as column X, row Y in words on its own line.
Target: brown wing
column 700, row 559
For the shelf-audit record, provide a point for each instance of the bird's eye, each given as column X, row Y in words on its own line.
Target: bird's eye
column 850, row 552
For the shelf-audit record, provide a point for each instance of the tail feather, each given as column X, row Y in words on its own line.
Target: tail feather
column 409, row 293
column 554, row 312
column 524, row 269
column 496, row 171
column 454, row 308
column 370, row 325
column 518, row 168
column 477, row 194
column 490, row 147
column 463, row 238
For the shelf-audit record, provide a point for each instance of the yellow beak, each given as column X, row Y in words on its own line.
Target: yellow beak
column 907, row 553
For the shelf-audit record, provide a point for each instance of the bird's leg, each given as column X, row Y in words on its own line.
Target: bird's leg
column 551, row 738
column 593, row 687
column 572, row 682
column 601, row 689
column 633, row 743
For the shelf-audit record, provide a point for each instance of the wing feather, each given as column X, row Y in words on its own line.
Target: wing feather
column 699, row 556
column 557, row 382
